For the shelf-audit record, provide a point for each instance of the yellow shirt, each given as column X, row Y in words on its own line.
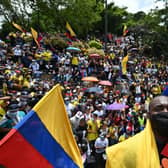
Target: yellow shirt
column 122, row 138
column 92, row 126
column 5, row 89
column 2, row 112
column 112, row 131
column 26, row 83
column 75, row 61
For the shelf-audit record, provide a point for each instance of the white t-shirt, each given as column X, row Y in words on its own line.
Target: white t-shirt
column 101, row 144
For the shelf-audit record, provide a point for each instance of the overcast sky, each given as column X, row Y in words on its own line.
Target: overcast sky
column 137, row 5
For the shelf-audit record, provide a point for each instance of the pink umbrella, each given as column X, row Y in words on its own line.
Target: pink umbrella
column 105, row 82
column 94, row 55
column 90, row 79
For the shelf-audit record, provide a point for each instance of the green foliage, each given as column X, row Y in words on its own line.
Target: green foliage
column 78, row 44
column 86, row 17
column 95, row 44
column 58, row 42
column 95, row 51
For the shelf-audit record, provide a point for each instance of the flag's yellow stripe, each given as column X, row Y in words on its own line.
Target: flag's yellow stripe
column 57, row 122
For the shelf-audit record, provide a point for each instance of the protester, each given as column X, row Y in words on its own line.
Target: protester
column 148, row 147
column 100, row 145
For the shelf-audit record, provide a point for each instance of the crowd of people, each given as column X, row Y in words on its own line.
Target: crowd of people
column 25, row 78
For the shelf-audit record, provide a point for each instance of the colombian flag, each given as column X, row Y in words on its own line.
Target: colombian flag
column 18, row 27
column 165, row 91
column 35, row 36
column 139, row 151
column 124, row 64
column 44, row 138
column 125, row 30
column 68, row 27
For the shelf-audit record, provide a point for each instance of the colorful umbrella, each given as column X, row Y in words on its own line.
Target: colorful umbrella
column 105, row 82
column 116, row 106
column 94, row 55
column 90, row 79
column 116, row 67
column 73, row 49
column 133, row 49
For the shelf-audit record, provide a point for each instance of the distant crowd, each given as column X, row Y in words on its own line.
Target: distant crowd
column 101, row 113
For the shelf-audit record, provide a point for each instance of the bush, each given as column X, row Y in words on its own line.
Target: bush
column 95, row 51
column 95, row 44
column 58, row 42
column 78, row 44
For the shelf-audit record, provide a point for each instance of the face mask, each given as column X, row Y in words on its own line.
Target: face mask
column 66, row 102
column 159, row 123
column 102, row 138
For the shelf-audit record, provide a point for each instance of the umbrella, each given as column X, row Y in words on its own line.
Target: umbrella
column 94, row 90
column 116, row 67
column 90, row 79
column 116, row 106
column 5, row 98
column 94, row 55
column 73, row 49
column 105, row 82
column 133, row 49
column 131, row 62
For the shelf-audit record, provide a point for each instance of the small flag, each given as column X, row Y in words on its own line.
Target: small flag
column 125, row 30
column 165, row 92
column 43, row 139
column 68, row 27
column 18, row 27
column 35, row 36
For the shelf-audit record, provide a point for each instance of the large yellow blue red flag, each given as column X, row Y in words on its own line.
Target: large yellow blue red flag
column 139, row 151
column 68, row 27
column 18, row 27
column 44, row 138
column 124, row 64
column 35, row 36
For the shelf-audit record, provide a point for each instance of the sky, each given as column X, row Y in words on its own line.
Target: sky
column 137, row 5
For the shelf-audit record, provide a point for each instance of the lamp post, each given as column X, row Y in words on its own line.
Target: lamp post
column 106, row 25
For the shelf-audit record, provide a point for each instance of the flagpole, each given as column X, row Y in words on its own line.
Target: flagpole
column 106, row 25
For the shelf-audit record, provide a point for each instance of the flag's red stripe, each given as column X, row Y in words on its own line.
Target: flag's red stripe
column 22, row 154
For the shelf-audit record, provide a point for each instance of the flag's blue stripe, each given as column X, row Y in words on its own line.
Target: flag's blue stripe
column 36, row 134
column 165, row 92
